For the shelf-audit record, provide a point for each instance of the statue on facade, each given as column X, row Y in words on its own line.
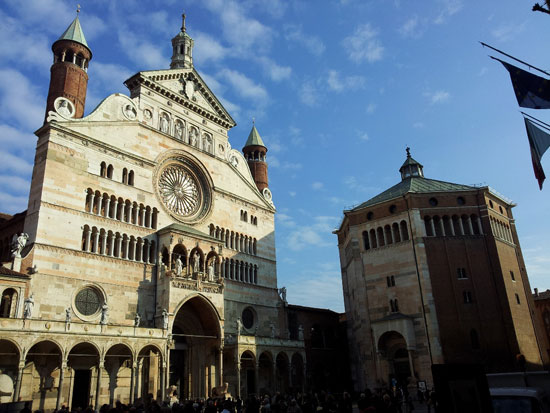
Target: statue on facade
column 239, row 326
column 179, row 130
column 164, row 123
column 104, row 314
column 68, row 315
column 29, row 305
column 179, row 266
column 207, row 144
column 272, row 327
column 282, row 292
column 137, row 320
column 211, row 271
column 18, row 244
column 64, row 109
column 196, row 262
column 193, row 137
column 164, row 319
column 300, row 332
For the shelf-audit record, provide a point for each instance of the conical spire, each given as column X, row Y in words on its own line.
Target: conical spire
column 74, row 33
column 254, row 138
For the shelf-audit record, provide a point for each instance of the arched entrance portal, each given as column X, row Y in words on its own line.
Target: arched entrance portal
column 194, row 358
column 393, row 348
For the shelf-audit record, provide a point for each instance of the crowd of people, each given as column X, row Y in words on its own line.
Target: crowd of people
column 380, row 401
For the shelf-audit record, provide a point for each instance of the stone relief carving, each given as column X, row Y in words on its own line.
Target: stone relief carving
column 64, row 107
column 130, row 112
column 179, row 130
column 179, row 191
column 147, row 114
column 267, row 194
column 164, row 123
column 193, row 136
column 234, row 161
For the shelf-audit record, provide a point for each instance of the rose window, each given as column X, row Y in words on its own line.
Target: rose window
column 179, row 191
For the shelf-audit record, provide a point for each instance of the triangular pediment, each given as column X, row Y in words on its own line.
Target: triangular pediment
column 185, row 86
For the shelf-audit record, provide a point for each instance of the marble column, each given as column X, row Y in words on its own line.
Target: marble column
column 60, row 386
column 17, row 390
column 100, row 366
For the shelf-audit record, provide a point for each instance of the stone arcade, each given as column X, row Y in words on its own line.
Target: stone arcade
column 150, row 258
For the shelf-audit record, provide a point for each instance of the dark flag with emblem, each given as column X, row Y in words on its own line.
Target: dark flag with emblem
column 532, row 91
column 539, row 141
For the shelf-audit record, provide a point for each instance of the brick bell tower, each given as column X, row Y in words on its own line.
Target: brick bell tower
column 254, row 151
column 69, row 77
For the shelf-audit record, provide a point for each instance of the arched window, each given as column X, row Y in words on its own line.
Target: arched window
column 110, row 171
column 131, row 178
column 8, row 304
column 428, row 225
column 125, row 176
column 103, row 169
column 366, row 240
column 373, row 242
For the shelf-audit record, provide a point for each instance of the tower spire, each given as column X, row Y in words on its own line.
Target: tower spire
column 255, row 153
column 69, row 77
column 182, row 48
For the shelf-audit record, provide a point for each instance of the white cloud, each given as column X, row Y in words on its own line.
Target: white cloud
column 338, row 84
column 243, row 33
column 207, row 49
column 411, row 28
column 448, row 8
column 320, row 286
column 111, row 76
column 371, row 107
column 15, row 184
column 273, row 70
column 364, row 44
column 508, row 31
column 16, row 139
column 294, row 34
column 11, row 164
column 316, row 233
column 12, row 204
column 308, row 94
column 418, row 125
column 245, row 86
column 353, row 184
column 19, row 99
column 364, row 136
column 317, row 186
column 141, row 51
column 439, row 96
column 292, row 194
column 285, row 220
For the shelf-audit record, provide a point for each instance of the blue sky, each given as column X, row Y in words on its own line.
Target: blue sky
column 338, row 88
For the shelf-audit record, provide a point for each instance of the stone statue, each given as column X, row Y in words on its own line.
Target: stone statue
column 18, row 244
column 300, row 332
column 179, row 266
column 137, row 320
column 282, row 292
column 29, row 305
column 130, row 112
column 193, row 137
column 239, row 326
column 179, row 130
column 211, row 271
column 104, row 314
column 207, row 143
column 197, row 262
column 164, row 123
column 164, row 319
column 68, row 315
column 272, row 327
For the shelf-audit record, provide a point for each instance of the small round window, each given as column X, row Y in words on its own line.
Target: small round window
column 248, row 318
column 460, row 201
column 433, row 202
column 393, row 208
column 88, row 301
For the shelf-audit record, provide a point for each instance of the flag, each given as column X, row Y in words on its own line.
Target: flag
column 532, row 91
column 539, row 141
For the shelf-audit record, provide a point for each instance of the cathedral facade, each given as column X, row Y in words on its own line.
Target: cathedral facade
column 146, row 257
column 433, row 273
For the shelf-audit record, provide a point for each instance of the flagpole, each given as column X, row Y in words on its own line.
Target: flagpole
column 512, row 57
column 546, row 125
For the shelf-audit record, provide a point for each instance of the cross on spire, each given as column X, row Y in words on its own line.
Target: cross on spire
column 408, row 152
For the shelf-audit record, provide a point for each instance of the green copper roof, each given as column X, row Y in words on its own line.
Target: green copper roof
column 410, row 161
column 414, row 184
column 74, row 32
column 254, row 139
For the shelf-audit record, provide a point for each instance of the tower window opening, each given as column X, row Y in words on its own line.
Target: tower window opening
column 467, row 295
column 512, row 276
column 517, row 298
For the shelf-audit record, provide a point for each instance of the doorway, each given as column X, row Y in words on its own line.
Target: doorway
column 81, row 389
